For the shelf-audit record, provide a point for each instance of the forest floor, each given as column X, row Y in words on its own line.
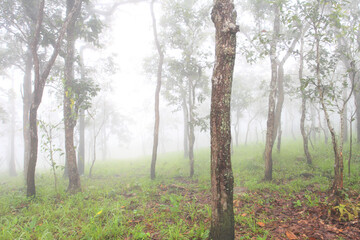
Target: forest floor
column 121, row 202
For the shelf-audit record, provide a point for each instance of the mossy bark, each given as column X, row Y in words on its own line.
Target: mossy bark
column 222, row 220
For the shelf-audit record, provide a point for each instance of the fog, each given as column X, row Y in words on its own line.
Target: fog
column 124, row 107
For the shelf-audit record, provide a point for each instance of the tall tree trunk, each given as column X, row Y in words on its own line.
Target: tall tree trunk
column 222, row 181
column 270, row 131
column 70, row 114
column 338, row 166
column 157, row 93
column 12, row 165
column 350, row 143
column 313, row 123
column 345, row 126
column 303, row 104
column 191, row 133
column 26, row 108
column 279, row 105
column 186, row 128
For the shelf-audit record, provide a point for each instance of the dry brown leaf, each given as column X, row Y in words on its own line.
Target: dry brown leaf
column 291, row 235
column 261, row 224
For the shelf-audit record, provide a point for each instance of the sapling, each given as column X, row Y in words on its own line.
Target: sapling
column 48, row 146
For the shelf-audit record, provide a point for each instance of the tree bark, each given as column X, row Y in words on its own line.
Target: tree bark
column 39, row 84
column 345, row 126
column 81, row 150
column 270, row 131
column 186, row 131
column 222, row 220
column 304, row 135
column 191, row 133
column 12, row 165
column 279, row 105
column 70, row 113
column 26, row 108
column 338, row 166
column 157, row 93
column 236, row 128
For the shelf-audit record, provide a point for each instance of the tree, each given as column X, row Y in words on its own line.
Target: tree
column 323, row 17
column 41, row 76
column 157, row 92
column 304, row 99
column 186, row 85
column 222, row 219
column 278, row 44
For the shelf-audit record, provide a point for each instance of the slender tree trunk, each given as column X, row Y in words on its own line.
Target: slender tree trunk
column 248, row 128
column 279, row 105
column 313, row 123
column 325, row 131
column 191, row 133
column 270, row 131
column 350, row 143
column 236, row 128
column 345, row 127
column 303, row 105
column 94, row 150
column 338, row 167
column 191, row 148
column 70, row 114
column 157, row 93
column 12, row 166
column 26, row 109
column 222, row 220
column 186, row 128
column 30, row 177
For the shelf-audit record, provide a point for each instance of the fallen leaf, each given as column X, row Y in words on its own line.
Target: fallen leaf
column 290, row 235
column 261, row 224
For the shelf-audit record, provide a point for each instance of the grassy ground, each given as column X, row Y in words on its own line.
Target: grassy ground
column 121, row 202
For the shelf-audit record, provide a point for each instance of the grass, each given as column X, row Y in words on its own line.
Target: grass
column 121, row 202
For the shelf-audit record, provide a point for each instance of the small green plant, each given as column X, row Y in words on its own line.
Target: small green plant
column 348, row 211
column 297, row 203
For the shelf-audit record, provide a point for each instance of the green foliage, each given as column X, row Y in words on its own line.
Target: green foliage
column 122, row 202
column 348, row 211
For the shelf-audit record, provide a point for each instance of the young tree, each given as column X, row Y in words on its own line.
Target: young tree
column 222, row 220
column 323, row 17
column 304, row 99
column 157, row 92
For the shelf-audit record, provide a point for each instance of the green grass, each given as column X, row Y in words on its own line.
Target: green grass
column 121, row 202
